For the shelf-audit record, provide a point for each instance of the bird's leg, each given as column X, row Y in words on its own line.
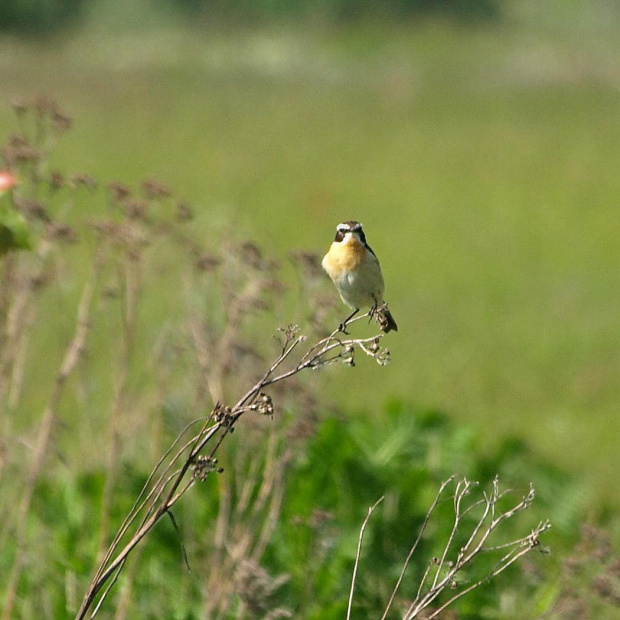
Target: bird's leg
column 343, row 326
column 373, row 310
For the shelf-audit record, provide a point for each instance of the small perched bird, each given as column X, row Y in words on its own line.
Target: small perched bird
column 354, row 269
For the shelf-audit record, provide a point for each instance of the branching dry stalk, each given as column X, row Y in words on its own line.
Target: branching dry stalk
column 130, row 288
column 71, row 358
column 359, row 553
column 443, row 574
column 195, row 458
column 248, row 513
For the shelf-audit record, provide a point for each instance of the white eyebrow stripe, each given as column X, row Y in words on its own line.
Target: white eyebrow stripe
column 346, row 227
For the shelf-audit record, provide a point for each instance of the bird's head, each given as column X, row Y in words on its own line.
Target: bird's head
column 350, row 232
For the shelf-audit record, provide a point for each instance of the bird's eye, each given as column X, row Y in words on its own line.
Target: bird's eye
column 339, row 236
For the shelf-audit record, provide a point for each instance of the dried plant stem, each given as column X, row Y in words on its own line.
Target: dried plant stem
column 171, row 484
column 19, row 360
column 42, row 442
column 442, row 572
column 503, row 564
column 130, row 286
column 359, row 552
column 430, row 511
column 204, row 360
column 122, row 611
column 14, row 326
column 108, row 567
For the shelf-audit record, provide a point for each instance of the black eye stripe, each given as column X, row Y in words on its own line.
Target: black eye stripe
column 341, row 232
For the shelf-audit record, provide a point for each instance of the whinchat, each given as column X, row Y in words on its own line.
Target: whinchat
column 354, row 269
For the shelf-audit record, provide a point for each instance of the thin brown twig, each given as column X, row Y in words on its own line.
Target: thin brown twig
column 130, row 288
column 430, row 511
column 503, row 565
column 72, row 355
column 157, row 489
column 171, row 488
column 486, row 524
column 359, row 552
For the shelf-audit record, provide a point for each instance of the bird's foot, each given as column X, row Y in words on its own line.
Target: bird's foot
column 372, row 312
column 343, row 326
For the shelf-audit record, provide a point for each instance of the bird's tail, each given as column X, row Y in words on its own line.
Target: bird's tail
column 385, row 319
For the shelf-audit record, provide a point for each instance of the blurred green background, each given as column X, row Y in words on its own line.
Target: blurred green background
column 480, row 154
column 476, row 141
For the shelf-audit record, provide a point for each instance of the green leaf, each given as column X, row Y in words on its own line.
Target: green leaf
column 14, row 232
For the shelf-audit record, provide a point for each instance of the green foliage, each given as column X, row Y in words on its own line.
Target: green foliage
column 335, row 10
column 46, row 16
column 344, row 468
column 14, row 231
column 404, row 455
column 36, row 16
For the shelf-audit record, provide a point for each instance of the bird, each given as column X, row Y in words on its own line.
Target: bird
column 354, row 269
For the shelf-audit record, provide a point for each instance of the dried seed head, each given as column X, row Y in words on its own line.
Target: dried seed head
column 84, row 180
column 60, row 232
column 152, row 188
column 119, row 191
column 383, row 357
column 32, row 209
column 42, row 105
column 223, row 415
column 290, row 331
column 125, row 234
column 57, row 180
column 20, row 107
column 184, row 212
column 263, row 404
column 60, row 122
column 251, row 255
column 207, row 262
column 203, row 466
column 18, row 150
column 135, row 208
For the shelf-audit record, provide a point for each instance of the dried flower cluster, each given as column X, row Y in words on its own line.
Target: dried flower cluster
column 203, row 466
column 477, row 519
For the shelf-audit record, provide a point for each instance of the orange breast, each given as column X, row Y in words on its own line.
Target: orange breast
column 347, row 256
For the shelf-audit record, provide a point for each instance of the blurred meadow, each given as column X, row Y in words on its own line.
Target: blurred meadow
column 480, row 153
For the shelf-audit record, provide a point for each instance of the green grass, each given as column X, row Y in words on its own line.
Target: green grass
column 483, row 163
